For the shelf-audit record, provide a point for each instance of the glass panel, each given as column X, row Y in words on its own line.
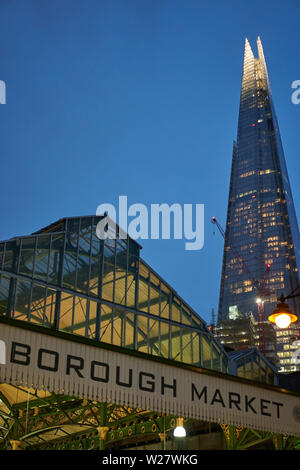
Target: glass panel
column 121, row 269
column 263, row 377
column 55, row 259
column 164, row 339
column 37, row 311
column 4, row 291
column 84, row 251
column 248, row 370
column 27, row 256
column 154, row 343
column 196, row 348
column 176, row 310
column 22, row 300
column 42, row 258
column 216, row 363
column 142, row 333
column 240, row 371
column 134, row 251
column 186, row 346
column 154, row 294
column 165, row 301
column 131, row 285
column 143, row 288
column 96, row 262
column 206, row 353
column 186, row 315
column 176, row 344
column 50, row 307
column 10, row 257
column 66, row 312
column 108, row 270
column 106, row 324
column 255, row 372
column 92, row 319
column 195, row 321
column 80, row 316
column 118, row 326
column 70, row 257
column 129, row 330
column 132, row 271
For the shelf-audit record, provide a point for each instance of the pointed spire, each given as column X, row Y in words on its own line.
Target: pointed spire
column 248, row 51
column 260, row 51
column 262, row 60
column 248, row 79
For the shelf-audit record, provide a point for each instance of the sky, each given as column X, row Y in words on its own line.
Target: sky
column 138, row 98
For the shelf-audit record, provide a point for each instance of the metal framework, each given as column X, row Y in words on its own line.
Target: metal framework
column 31, row 419
column 65, row 279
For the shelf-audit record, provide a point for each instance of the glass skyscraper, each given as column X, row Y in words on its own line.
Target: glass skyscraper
column 262, row 249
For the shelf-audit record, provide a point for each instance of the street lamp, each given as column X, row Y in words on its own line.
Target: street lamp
column 179, row 431
column 282, row 315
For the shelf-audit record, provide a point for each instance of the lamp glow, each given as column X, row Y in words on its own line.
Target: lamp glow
column 179, row 431
column 282, row 315
column 283, row 320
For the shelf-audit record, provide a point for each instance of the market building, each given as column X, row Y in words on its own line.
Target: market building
column 97, row 351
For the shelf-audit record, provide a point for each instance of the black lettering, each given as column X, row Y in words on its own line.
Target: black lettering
column 25, row 354
column 234, row 399
column 76, row 367
column 54, row 368
column 164, row 385
column 277, row 406
column 218, row 398
column 100, row 364
column 152, row 384
column 203, row 391
column 248, row 404
column 124, row 384
column 263, row 407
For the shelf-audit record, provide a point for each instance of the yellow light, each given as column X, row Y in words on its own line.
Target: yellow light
column 179, row 431
column 282, row 315
column 283, row 320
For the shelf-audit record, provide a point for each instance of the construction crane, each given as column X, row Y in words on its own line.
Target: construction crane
column 260, row 286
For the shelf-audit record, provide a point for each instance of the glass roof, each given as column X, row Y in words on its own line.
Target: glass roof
column 64, row 277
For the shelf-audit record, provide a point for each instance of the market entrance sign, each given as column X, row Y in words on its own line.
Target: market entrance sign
column 89, row 371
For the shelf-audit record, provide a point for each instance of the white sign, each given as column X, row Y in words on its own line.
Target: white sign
column 72, row 368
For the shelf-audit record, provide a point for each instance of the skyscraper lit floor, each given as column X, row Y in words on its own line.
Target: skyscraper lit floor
column 262, row 247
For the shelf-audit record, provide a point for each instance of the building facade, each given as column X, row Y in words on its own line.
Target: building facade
column 261, row 250
column 67, row 279
column 245, row 332
column 102, row 353
column 75, row 305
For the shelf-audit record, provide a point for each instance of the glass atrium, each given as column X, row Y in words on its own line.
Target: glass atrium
column 65, row 278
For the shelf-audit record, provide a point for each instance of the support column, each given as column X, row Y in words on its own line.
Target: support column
column 232, row 434
column 15, row 445
column 102, row 431
column 162, row 436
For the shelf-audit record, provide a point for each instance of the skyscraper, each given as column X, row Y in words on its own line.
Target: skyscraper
column 262, row 247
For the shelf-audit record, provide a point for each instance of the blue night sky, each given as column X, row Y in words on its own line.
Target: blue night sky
column 136, row 98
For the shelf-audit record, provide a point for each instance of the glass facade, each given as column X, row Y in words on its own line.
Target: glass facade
column 63, row 277
column 262, row 236
column 252, row 365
